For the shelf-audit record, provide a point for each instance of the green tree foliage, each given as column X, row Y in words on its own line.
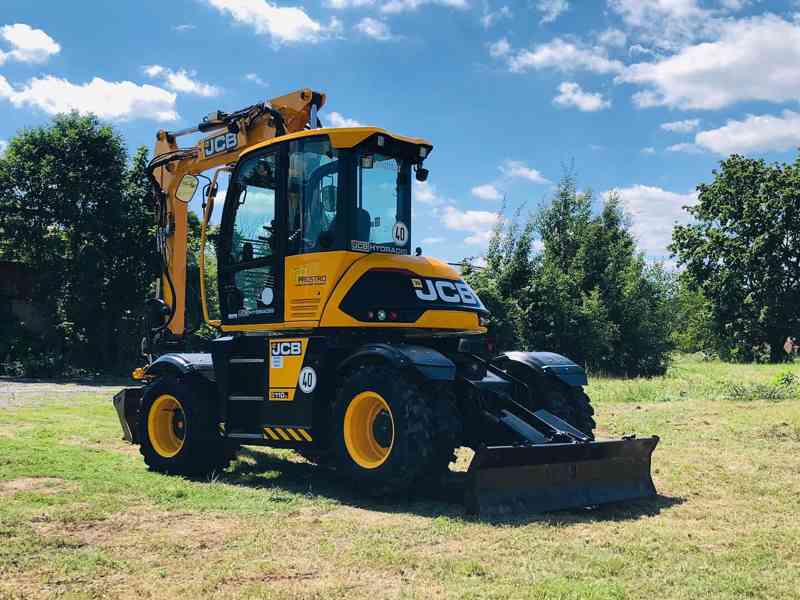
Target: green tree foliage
column 743, row 254
column 79, row 216
column 587, row 294
column 693, row 329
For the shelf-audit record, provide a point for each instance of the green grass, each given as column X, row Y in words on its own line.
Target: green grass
column 81, row 517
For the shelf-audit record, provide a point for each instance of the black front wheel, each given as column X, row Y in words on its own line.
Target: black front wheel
column 384, row 430
column 178, row 432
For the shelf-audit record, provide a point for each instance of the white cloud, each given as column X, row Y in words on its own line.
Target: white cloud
column 684, row 126
column 3, row 146
column 564, row 56
column 517, row 168
column 115, row 100
column 184, row 28
column 490, row 17
column 254, row 78
column 342, row 4
column 648, row 150
column 685, row 147
column 487, row 191
column 181, row 81
column 28, row 45
column 499, row 48
column 571, row 94
column 478, row 223
column 653, row 213
column 432, row 240
column 639, row 49
column 756, row 133
column 666, row 24
column 753, row 59
column 398, row 6
column 425, row 192
column 282, row 24
column 734, row 5
column 612, row 37
column 374, row 28
column 336, row 119
column 551, row 9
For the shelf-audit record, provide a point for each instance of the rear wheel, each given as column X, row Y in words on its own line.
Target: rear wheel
column 566, row 402
column 569, row 403
column 179, row 433
column 384, row 430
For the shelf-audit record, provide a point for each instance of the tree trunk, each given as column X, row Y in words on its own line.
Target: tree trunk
column 777, row 354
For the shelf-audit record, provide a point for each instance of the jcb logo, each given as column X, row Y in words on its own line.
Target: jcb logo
column 220, row 143
column 287, row 349
column 452, row 292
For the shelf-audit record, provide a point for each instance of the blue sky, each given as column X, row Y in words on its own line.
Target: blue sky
column 643, row 96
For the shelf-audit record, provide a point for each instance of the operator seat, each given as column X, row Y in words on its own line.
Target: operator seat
column 363, row 225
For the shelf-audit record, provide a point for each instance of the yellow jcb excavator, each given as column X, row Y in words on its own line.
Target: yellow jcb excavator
column 336, row 341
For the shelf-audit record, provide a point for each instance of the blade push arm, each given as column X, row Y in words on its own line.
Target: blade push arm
column 229, row 135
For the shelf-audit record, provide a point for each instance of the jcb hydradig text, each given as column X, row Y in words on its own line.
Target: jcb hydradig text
column 338, row 343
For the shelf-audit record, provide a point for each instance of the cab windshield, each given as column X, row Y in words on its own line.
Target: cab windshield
column 383, row 197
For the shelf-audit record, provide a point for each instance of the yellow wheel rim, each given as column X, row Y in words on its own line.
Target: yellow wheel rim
column 367, row 412
column 166, row 426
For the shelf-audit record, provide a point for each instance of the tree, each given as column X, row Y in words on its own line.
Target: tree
column 587, row 294
column 743, row 253
column 73, row 211
column 693, row 329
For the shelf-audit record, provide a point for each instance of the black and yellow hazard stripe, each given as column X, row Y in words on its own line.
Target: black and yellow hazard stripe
column 287, row 434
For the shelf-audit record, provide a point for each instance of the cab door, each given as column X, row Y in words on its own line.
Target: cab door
column 253, row 241
column 251, row 251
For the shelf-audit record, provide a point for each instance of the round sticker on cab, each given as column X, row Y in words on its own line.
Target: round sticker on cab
column 267, row 296
column 308, row 380
column 400, row 233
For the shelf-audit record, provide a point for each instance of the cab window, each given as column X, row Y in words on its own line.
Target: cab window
column 250, row 267
column 254, row 223
column 312, row 196
column 383, row 201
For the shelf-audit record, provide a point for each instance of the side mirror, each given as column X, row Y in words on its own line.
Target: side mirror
column 422, row 174
column 186, row 188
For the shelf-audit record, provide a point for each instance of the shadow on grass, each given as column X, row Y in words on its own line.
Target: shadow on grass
column 445, row 498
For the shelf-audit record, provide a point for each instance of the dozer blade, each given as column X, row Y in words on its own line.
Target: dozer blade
column 547, row 477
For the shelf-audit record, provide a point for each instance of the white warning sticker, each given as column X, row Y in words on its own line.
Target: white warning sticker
column 400, row 233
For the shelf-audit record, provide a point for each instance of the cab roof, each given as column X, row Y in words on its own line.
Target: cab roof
column 341, row 137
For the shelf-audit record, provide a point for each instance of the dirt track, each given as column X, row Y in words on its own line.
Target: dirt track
column 18, row 392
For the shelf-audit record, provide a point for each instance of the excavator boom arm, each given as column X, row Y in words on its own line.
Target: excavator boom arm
column 229, row 135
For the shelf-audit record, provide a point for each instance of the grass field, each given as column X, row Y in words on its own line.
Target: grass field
column 81, row 517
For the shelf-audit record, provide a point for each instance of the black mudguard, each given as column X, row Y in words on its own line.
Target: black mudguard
column 546, row 363
column 182, row 363
column 428, row 363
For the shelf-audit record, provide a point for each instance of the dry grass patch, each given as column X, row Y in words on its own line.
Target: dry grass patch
column 38, row 485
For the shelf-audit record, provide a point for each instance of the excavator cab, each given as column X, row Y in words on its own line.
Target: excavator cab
column 303, row 202
column 334, row 341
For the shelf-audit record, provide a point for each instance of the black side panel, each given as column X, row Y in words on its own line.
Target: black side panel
column 247, row 384
column 406, row 297
column 221, row 350
column 547, row 363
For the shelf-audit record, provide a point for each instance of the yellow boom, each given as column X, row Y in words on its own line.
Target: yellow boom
column 230, row 135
